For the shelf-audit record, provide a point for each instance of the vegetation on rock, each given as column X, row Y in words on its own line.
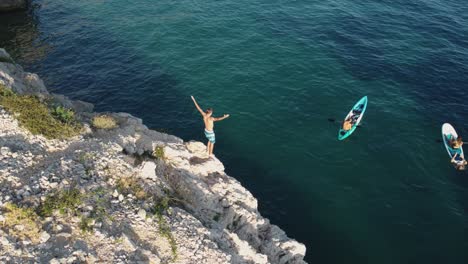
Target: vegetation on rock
column 63, row 114
column 21, row 222
column 86, row 224
column 36, row 117
column 104, row 122
column 159, row 152
column 66, row 201
column 164, row 229
column 130, row 185
column 72, row 201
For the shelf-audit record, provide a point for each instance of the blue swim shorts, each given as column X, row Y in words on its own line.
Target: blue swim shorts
column 210, row 135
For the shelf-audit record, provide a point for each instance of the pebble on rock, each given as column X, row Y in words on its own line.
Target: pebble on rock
column 44, row 237
column 142, row 213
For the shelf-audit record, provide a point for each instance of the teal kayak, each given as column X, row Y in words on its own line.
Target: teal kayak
column 355, row 115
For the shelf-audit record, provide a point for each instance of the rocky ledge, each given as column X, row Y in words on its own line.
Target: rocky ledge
column 124, row 194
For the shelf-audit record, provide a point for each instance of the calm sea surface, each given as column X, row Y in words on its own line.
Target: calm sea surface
column 387, row 194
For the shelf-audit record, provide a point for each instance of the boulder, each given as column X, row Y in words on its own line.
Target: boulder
column 12, row 5
column 14, row 77
column 77, row 106
column 148, row 170
column 4, row 56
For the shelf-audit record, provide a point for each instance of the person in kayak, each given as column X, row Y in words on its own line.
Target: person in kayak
column 347, row 124
column 209, row 120
column 460, row 163
column 350, row 121
column 456, row 143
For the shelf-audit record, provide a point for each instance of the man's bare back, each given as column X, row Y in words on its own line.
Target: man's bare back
column 347, row 125
column 209, row 122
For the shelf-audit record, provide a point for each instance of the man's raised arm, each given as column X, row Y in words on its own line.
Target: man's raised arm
column 197, row 106
column 221, row 118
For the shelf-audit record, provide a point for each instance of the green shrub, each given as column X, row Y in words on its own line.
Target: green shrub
column 159, row 152
column 66, row 201
column 101, row 202
column 6, row 91
column 63, row 114
column 104, row 122
column 161, row 206
column 85, row 224
column 164, row 229
column 35, row 116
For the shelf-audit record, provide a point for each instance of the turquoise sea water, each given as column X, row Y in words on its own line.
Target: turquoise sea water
column 387, row 194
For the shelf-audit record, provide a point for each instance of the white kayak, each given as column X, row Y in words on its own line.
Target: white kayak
column 448, row 134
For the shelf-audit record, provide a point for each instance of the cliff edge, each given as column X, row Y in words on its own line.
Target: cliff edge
column 119, row 193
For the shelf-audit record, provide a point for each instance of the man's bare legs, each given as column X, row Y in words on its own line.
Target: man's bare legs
column 209, row 148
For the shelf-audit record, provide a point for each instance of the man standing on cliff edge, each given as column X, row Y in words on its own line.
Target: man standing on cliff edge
column 209, row 120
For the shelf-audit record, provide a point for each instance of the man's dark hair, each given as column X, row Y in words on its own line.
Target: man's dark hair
column 209, row 110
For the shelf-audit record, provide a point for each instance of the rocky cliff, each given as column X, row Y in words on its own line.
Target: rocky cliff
column 120, row 194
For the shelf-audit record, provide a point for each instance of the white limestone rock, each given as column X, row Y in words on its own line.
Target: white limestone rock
column 211, row 194
column 44, row 237
column 148, row 170
column 142, row 213
column 220, row 222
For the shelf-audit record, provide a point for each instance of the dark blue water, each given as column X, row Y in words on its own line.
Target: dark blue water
column 385, row 195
